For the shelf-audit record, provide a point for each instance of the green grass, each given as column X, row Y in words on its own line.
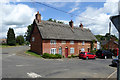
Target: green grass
column 3, row 46
column 32, row 53
column 6, row 46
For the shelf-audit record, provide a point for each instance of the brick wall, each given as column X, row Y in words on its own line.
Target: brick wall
column 36, row 45
column 77, row 46
column 111, row 44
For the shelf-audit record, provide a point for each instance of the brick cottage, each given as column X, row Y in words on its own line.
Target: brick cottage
column 50, row 37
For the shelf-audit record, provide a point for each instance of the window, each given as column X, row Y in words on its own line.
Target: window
column 52, row 41
column 71, row 42
column 60, row 50
column 53, row 51
column 71, row 50
column 33, row 38
column 83, row 43
column 63, row 42
column 82, row 49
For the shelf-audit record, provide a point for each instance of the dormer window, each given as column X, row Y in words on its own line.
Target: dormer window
column 71, row 42
column 52, row 41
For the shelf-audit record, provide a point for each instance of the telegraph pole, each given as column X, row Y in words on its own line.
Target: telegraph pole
column 109, row 35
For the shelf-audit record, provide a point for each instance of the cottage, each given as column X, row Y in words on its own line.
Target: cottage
column 51, row 37
column 111, row 44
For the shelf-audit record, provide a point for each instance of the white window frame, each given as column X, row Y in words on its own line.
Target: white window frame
column 53, row 51
column 63, row 42
column 72, row 50
column 71, row 42
column 83, row 49
column 52, row 41
column 83, row 42
column 33, row 39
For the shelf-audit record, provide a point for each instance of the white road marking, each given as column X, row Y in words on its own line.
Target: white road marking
column 19, row 65
column 60, row 59
column 66, row 69
column 11, row 55
column 112, row 74
column 33, row 75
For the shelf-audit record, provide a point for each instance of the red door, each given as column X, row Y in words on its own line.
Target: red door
column 66, row 52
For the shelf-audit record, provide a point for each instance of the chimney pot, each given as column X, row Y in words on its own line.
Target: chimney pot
column 71, row 23
column 81, row 25
column 38, row 17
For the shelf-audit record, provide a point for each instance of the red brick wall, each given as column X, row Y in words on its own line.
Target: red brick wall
column 111, row 44
column 77, row 46
column 36, row 45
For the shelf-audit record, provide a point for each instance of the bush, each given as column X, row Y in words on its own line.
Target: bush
column 46, row 55
column 51, row 56
column 93, row 51
column 58, row 56
column 73, row 56
column 69, row 56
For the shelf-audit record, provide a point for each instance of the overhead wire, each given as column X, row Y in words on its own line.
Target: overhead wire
column 66, row 11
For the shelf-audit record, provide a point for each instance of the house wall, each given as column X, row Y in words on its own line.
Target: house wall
column 77, row 46
column 112, row 45
column 36, row 45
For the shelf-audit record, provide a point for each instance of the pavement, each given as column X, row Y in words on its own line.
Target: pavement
column 17, row 64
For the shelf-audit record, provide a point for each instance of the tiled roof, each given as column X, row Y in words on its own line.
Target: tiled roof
column 52, row 30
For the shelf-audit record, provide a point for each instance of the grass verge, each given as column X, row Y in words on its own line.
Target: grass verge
column 32, row 53
column 4, row 46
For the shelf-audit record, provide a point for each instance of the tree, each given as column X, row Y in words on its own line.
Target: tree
column 50, row 19
column 11, row 37
column 20, row 39
column 27, row 34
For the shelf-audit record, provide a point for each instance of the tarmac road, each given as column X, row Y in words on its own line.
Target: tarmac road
column 16, row 64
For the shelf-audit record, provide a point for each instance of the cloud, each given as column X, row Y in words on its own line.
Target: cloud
column 17, row 17
column 56, row 4
column 74, row 9
column 97, row 19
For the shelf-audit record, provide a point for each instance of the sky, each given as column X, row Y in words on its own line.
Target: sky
column 93, row 15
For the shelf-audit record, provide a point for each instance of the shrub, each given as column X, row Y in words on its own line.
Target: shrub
column 69, row 56
column 93, row 51
column 51, row 56
column 58, row 56
column 46, row 55
column 73, row 56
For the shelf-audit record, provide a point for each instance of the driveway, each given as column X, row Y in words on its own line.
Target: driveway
column 16, row 64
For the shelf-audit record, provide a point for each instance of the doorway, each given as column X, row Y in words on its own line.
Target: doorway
column 66, row 52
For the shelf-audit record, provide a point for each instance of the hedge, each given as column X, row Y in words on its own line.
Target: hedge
column 51, row 56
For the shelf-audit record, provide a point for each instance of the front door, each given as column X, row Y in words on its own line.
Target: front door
column 66, row 52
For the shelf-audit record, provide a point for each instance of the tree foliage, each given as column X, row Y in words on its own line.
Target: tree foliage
column 27, row 34
column 20, row 40
column 11, row 37
column 54, row 20
column 106, row 37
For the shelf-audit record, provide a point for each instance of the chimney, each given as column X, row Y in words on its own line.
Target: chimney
column 71, row 23
column 38, row 17
column 81, row 25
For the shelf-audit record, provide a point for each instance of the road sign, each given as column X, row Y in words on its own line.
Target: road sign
column 116, row 21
